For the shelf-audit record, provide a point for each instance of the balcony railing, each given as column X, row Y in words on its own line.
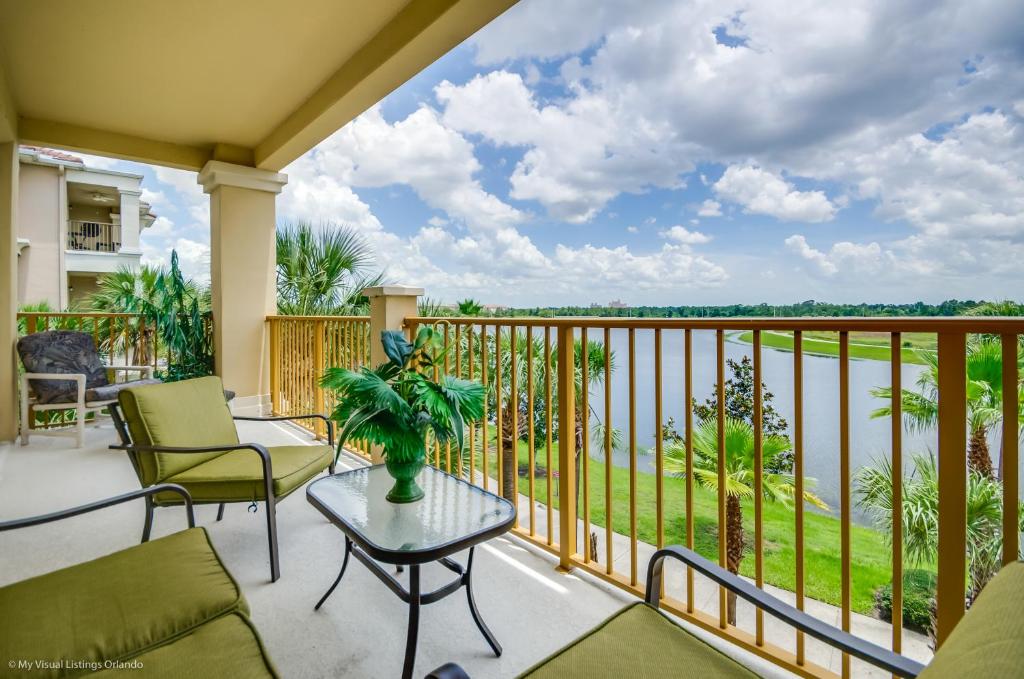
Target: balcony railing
column 301, row 348
column 90, row 236
column 637, row 372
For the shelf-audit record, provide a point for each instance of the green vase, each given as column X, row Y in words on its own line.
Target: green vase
column 404, row 473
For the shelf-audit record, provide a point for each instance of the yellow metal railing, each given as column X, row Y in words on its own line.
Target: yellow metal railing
column 301, row 349
column 489, row 349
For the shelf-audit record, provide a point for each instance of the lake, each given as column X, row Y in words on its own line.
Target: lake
column 869, row 438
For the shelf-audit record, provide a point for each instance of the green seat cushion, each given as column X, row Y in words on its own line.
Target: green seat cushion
column 638, row 641
column 226, row 648
column 989, row 640
column 190, row 413
column 119, row 605
column 238, row 475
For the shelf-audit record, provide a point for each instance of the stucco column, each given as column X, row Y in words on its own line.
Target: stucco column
column 8, row 289
column 390, row 305
column 242, row 275
column 130, row 221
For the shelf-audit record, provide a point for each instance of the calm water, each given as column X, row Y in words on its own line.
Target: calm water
column 869, row 438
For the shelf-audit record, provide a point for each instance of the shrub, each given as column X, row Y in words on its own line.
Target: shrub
column 918, row 593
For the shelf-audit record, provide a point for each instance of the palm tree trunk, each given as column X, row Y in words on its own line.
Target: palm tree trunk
column 733, row 547
column 509, row 457
column 978, row 458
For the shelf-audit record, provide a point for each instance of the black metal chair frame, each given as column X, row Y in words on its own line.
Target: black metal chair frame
column 133, row 451
column 874, row 654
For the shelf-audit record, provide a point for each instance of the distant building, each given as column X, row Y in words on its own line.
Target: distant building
column 74, row 223
column 617, row 304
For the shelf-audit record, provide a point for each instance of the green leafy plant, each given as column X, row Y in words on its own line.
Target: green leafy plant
column 182, row 324
column 918, row 594
column 396, row 404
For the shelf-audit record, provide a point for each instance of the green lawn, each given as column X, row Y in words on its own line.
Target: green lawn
column 862, row 345
column 822, row 563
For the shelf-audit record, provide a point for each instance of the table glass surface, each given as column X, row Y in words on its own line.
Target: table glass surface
column 450, row 510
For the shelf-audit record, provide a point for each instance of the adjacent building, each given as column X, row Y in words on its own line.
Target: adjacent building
column 74, row 223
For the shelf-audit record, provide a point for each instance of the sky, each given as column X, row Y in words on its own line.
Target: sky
column 667, row 152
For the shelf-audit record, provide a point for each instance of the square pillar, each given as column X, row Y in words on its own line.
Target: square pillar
column 129, row 221
column 390, row 305
column 243, row 265
column 8, row 290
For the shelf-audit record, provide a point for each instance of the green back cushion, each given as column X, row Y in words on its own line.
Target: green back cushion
column 989, row 640
column 185, row 414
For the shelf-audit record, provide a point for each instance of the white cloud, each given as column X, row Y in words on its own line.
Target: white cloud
column 761, row 192
column 710, row 208
column 682, row 235
column 632, row 229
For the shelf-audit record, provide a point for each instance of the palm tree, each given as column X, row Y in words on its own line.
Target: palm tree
column 470, row 307
column 921, row 514
column 984, row 398
column 322, row 271
column 739, row 476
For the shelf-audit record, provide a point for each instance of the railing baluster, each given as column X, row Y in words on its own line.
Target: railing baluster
column 566, row 448
column 798, row 476
column 659, row 452
column 585, row 453
column 896, row 404
column 608, row 452
column 499, row 407
column 457, row 344
column 723, row 619
column 688, row 424
column 758, row 487
column 320, row 365
column 952, row 560
column 844, row 485
column 632, row 459
column 531, row 452
column 447, row 445
column 472, row 425
column 484, row 444
column 550, row 437
column 512, row 492
column 1011, row 450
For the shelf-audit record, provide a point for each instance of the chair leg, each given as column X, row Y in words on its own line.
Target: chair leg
column 275, row 567
column 148, row 526
column 220, row 511
column 79, row 426
column 25, row 413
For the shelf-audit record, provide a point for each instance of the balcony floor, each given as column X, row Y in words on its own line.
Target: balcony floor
column 360, row 631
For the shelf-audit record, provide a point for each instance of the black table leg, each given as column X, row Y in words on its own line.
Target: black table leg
column 495, row 646
column 344, row 564
column 414, row 621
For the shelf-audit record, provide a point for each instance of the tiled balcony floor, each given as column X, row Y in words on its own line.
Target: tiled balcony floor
column 360, row 631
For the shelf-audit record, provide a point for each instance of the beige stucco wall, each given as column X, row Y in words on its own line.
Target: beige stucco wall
column 39, row 218
column 80, row 287
column 93, row 213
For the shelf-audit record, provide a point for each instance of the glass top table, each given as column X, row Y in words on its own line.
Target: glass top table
column 452, row 516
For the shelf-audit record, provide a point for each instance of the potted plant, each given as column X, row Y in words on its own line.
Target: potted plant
column 395, row 404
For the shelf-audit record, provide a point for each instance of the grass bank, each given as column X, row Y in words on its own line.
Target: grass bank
column 822, row 559
column 867, row 346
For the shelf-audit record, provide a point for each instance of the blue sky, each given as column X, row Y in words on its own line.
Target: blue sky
column 681, row 153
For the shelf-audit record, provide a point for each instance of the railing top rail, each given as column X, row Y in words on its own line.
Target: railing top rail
column 75, row 314
column 967, row 324
column 349, row 319
column 89, row 221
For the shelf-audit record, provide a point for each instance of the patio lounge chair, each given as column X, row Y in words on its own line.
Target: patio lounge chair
column 63, row 370
column 184, row 433
column 167, row 608
column 640, row 641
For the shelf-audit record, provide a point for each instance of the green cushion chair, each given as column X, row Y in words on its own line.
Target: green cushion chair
column 184, row 433
column 165, row 608
column 640, row 641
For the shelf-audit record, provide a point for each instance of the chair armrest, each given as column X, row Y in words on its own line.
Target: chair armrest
column 78, row 378
column 833, row 636
column 146, row 370
column 281, row 418
column 257, row 448
column 102, row 504
column 449, row 670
